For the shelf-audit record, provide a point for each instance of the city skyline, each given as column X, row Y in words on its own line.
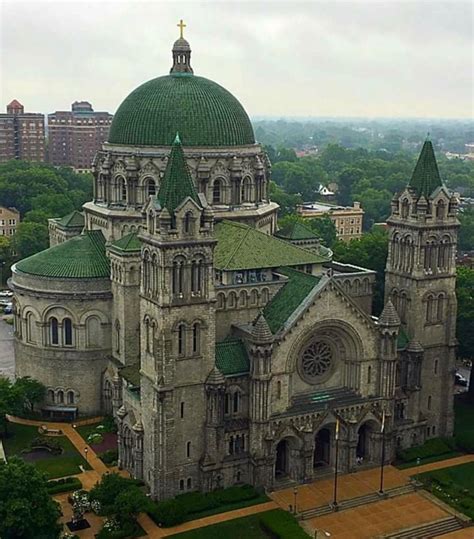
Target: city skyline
column 360, row 59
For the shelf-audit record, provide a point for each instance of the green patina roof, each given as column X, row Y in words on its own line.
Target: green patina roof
column 72, row 220
column 288, row 298
column 204, row 113
column 129, row 243
column 177, row 183
column 131, row 373
column 426, row 178
column 242, row 247
column 297, row 231
column 231, row 357
column 402, row 339
column 81, row 257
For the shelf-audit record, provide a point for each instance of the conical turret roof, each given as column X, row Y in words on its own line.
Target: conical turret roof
column 177, row 183
column 215, row 377
column 261, row 331
column 426, row 178
column 389, row 316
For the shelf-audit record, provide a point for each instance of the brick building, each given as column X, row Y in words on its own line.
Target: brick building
column 22, row 134
column 9, row 220
column 75, row 136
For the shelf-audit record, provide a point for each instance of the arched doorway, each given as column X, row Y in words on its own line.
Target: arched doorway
column 364, row 450
column 281, row 463
column 322, row 449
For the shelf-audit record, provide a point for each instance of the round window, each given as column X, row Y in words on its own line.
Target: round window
column 315, row 361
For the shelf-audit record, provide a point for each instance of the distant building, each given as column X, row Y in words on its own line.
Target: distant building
column 9, row 220
column 21, row 134
column 75, row 136
column 348, row 219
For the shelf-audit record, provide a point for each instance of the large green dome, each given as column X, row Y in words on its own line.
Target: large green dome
column 201, row 111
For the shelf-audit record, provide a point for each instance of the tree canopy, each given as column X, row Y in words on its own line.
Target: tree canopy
column 17, row 397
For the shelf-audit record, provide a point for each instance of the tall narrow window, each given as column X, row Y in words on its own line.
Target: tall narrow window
column 217, row 192
column 196, row 276
column 188, row 449
column 181, row 484
column 236, row 402
column 177, row 278
column 70, row 397
column 278, row 389
column 60, row 397
column 188, row 223
column 429, row 402
column 181, row 340
column 189, row 483
column 67, row 331
column 54, row 331
column 51, row 396
column 369, row 375
column 182, row 410
column 123, row 190
column 150, row 187
column 436, row 362
column 196, row 331
column 227, row 403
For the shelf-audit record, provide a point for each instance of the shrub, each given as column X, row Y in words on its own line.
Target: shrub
column 109, row 424
column 281, row 525
column 167, row 513
column 109, row 457
column 465, row 441
column 64, row 485
column 431, row 448
column 106, row 491
column 235, row 494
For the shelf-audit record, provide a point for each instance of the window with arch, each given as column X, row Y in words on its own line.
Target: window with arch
column 181, row 340
column 440, row 307
column 430, row 308
column 181, row 414
column 196, row 338
column 60, row 397
column 217, row 191
column 117, row 336
column 189, row 483
column 227, row 403
column 150, row 187
column 369, row 375
column 93, row 331
column 188, row 224
column 246, row 190
column 405, row 208
column 146, row 323
column 440, row 209
column 122, row 189
column 188, row 449
column 30, row 321
column 178, row 277
column 70, row 397
column 67, row 331
column 181, row 484
column 196, row 276
column 236, row 402
column 435, row 366
column 54, row 331
column 220, row 300
column 51, row 396
column 278, row 389
column 429, row 402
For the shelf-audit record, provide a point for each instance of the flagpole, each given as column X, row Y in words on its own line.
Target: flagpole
column 382, row 430
column 335, row 506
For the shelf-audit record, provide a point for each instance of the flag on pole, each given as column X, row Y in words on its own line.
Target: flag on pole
column 337, row 429
column 382, row 430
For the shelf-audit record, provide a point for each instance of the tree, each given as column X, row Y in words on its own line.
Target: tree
column 325, row 229
column 465, row 318
column 347, row 179
column 286, row 201
column 30, row 238
column 26, row 508
column 6, row 257
column 129, row 503
column 10, row 402
column 32, row 392
column 466, row 232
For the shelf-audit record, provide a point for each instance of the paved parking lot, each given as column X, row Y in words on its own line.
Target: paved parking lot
column 7, row 360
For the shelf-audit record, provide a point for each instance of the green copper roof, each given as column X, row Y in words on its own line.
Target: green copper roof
column 231, row 357
column 204, row 114
column 81, row 257
column 177, row 183
column 242, row 247
column 128, row 243
column 296, row 231
column 426, row 178
column 72, row 220
column 288, row 298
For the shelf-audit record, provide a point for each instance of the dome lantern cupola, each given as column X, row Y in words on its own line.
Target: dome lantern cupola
column 181, row 53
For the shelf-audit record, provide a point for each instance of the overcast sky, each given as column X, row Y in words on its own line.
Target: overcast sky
column 281, row 58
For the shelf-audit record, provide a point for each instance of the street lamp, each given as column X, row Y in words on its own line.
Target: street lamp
column 86, row 451
column 295, row 494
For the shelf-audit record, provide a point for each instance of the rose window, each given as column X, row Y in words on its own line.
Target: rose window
column 315, row 361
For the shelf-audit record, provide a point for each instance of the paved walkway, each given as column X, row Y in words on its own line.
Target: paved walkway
column 438, row 465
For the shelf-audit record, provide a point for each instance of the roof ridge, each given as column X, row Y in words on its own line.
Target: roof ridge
column 237, row 247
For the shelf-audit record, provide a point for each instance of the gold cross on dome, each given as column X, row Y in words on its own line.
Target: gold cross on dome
column 181, row 27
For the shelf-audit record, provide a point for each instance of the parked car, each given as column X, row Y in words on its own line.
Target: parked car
column 460, row 380
column 6, row 294
column 8, row 308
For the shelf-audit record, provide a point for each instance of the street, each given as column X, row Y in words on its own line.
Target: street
column 7, row 361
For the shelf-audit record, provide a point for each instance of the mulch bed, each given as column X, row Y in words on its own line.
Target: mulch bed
column 108, row 442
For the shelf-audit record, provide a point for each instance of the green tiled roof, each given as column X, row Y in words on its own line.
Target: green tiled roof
column 131, row 373
column 71, row 220
column 231, row 357
column 242, row 247
column 129, row 243
column 81, row 257
column 288, row 298
column 297, row 231
column 177, row 183
column 204, row 114
column 426, row 178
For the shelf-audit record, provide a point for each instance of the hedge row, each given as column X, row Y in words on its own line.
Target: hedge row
column 279, row 524
column 431, row 448
column 175, row 511
column 64, row 485
column 109, row 457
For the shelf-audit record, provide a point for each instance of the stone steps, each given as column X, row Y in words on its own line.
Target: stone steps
column 428, row 531
column 373, row 497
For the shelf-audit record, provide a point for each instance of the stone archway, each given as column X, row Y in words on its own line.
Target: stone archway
column 287, row 455
column 366, row 442
column 322, row 448
column 282, row 459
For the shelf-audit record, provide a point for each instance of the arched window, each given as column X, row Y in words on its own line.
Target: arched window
column 188, row 449
column 30, row 327
column 182, row 410
column 236, row 402
column 122, row 187
column 54, row 330
column 278, row 389
column 189, row 483
column 254, row 297
column 188, row 223
column 178, row 277
column 369, row 375
column 227, row 403
column 147, row 334
column 181, row 340
column 405, row 208
column 217, row 189
column 60, row 397
column 246, row 189
column 67, row 331
column 436, row 363
column 440, row 308
column 51, row 396
column 181, row 484
column 93, row 331
column 440, row 209
column 196, row 337
column 429, row 402
column 196, row 276
column 220, row 300
column 430, row 308
column 150, row 187
column 117, row 336
column 70, row 397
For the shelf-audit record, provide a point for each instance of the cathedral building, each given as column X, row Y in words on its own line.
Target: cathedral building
column 226, row 350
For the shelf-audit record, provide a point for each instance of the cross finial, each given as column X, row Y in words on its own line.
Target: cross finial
column 181, row 27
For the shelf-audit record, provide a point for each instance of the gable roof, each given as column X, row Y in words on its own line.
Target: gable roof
column 285, row 302
column 81, row 257
column 296, row 231
column 177, row 183
column 72, row 220
column 241, row 247
column 426, row 178
column 127, row 243
column 232, row 357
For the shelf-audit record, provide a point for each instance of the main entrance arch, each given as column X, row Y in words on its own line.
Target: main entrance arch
column 322, row 448
column 282, row 459
column 366, row 442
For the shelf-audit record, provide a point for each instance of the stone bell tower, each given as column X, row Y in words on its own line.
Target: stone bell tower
column 177, row 317
column 420, row 281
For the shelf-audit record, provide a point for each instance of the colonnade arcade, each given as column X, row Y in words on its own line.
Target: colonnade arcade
column 303, row 456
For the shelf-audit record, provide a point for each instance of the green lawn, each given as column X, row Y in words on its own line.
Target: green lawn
column 284, row 526
column 454, row 486
column 263, row 498
column 464, row 423
column 20, row 437
column 86, row 430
